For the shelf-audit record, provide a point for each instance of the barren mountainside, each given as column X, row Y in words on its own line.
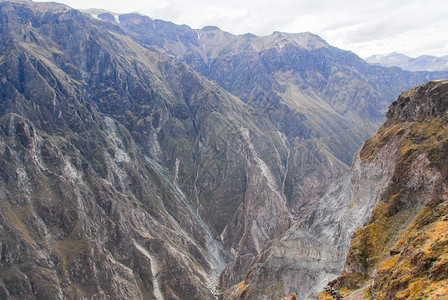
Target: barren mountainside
column 98, row 133
column 166, row 163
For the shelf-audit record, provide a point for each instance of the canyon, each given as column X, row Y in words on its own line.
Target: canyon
column 140, row 159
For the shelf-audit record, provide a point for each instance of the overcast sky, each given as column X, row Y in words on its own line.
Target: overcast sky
column 412, row 27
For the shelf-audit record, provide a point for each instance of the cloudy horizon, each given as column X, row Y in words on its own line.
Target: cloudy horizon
column 412, row 27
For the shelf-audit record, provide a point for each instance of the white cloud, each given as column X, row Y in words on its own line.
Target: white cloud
column 413, row 27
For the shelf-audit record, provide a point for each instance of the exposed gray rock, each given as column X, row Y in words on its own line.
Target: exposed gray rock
column 425, row 101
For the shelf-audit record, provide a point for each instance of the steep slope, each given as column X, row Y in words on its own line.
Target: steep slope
column 401, row 253
column 121, row 167
column 83, row 214
column 402, row 173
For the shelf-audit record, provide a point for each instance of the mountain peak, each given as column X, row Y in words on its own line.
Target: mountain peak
column 429, row 100
column 305, row 40
column 210, row 28
column 40, row 6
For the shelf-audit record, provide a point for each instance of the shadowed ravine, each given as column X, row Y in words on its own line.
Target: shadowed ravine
column 215, row 250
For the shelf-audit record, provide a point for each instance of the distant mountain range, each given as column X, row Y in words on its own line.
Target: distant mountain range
column 421, row 63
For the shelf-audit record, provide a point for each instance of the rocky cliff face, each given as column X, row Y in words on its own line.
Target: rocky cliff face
column 401, row 251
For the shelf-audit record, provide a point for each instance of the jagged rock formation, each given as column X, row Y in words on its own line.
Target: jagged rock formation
column 401, row 252
column 127, row 174
column 421, row 63
column 335, row 295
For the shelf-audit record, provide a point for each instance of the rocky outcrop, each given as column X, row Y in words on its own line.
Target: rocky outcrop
column 420, row 103
column 333, row 293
